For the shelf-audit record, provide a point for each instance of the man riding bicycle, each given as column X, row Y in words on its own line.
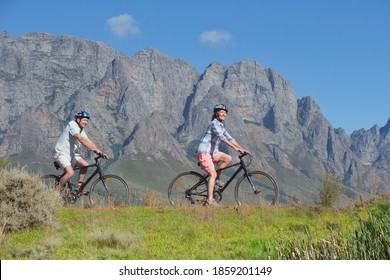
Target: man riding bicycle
column 66, row 152
column 208, row 152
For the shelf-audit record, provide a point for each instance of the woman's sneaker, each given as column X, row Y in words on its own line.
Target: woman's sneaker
column 211, row 202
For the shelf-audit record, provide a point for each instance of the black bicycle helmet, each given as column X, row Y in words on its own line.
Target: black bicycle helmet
column 220, row 107
column 82, row 114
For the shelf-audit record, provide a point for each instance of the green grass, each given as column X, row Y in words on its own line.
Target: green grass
column 162, row 233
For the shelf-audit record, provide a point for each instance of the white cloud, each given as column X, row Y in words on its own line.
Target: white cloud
column 215, row 37
column 123, row 25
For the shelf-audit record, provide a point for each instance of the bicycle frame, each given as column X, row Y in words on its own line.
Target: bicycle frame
column 96, row 171
column 242, row 167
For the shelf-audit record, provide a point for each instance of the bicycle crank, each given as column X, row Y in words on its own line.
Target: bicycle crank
column 217, row 196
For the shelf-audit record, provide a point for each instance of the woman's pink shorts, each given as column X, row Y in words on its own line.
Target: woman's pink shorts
column 206, row 162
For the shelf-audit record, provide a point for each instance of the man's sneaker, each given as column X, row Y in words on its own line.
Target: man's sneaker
column 211, row 202
column 219, row 183
column 81, row 193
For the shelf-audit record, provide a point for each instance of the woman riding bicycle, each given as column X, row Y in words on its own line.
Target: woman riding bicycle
column 208, row 152
column 66, row 153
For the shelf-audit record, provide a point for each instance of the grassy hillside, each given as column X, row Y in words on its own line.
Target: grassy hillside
column 35, row 225
column 203, row 233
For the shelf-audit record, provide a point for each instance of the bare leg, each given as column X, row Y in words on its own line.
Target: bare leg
column 81, row 163
column 225, row 160
column 68, row 174
column 210, row 186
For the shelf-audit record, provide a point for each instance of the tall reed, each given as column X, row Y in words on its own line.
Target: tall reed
column 370, row 241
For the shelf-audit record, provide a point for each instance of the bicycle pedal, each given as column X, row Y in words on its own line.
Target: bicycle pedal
column 191, row 199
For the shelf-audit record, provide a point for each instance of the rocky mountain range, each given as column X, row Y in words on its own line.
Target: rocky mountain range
column 150, row 110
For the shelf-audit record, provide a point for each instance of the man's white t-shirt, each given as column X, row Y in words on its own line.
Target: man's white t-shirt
column 67, row 144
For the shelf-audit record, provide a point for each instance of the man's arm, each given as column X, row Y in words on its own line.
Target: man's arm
column 89, row 144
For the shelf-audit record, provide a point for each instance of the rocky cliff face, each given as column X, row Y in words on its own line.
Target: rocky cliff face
column 156, row 107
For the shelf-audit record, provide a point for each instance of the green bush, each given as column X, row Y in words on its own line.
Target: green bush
column 24, row 201
column 331, row 190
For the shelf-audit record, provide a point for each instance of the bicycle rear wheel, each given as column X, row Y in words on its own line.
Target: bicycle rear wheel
column 256, row 189
column 111, row 190
column 188, row 188
column 51, row 181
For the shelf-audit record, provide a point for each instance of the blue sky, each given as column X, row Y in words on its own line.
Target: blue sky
column 337, row 51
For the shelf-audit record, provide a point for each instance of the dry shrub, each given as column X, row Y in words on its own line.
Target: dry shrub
column 24, row 201
column 244, row 209
column 152, row 199
column 4, row 162
column 113, row 239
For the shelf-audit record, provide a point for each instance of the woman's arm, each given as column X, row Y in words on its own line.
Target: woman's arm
column 234, row 144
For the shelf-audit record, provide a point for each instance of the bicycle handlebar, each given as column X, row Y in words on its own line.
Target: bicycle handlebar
column 241, row 156
column 244, row 154
column 101, row 155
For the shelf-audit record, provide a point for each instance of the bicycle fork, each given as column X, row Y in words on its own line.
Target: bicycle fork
column 104, row 184
column 251, row 183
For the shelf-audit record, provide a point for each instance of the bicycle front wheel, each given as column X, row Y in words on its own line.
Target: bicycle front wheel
column 256, row 189
column 188, row 188
column 110, row 190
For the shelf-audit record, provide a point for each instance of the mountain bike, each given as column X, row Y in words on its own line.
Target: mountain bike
column 255, row 188
column 106, row 190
